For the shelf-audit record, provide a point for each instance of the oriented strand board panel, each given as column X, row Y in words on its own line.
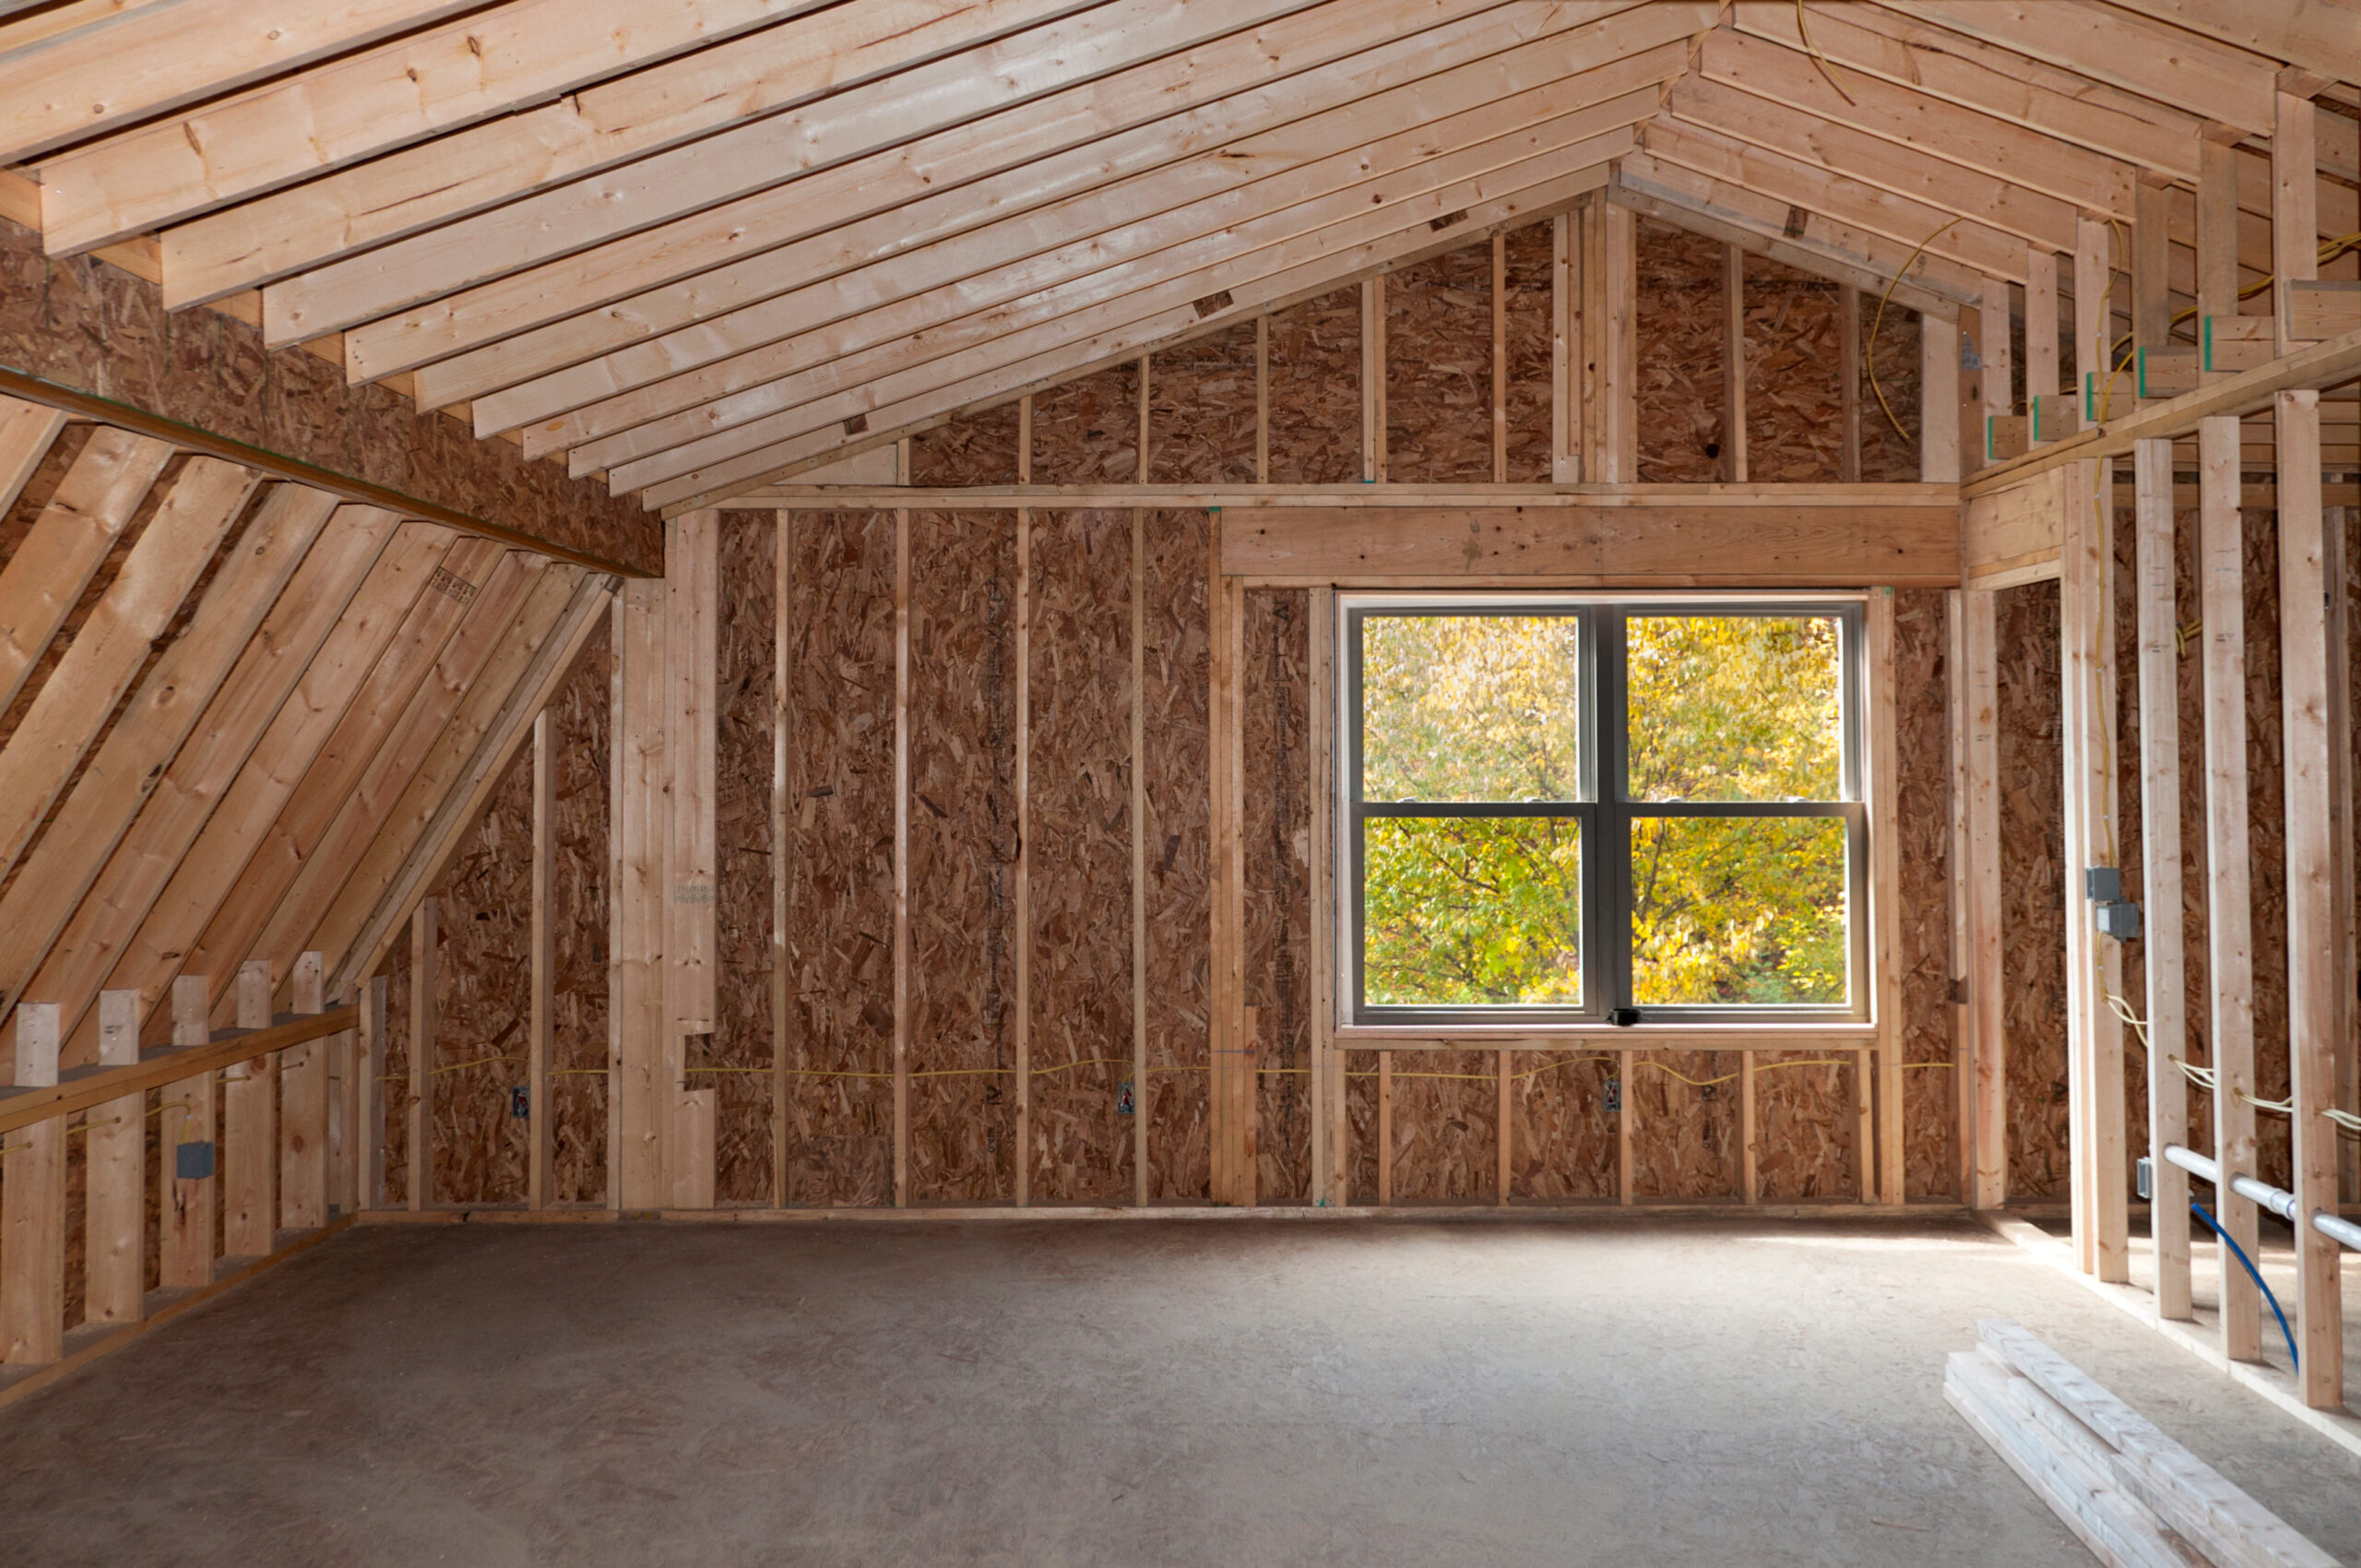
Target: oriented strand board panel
column 88, row 323
column 2032, row 890
column 841, row 859
column 1804, row 1128
column 1179, row 872
column 1087, row 432
column 1795, row 374
column 964, row 830
column 1529, row 353
column 1079, row 811
column 486, row 918
column 582, row 713
column 1929, row 1094
column 1562, row 1145
column 739, row 1050
column 1889, row 432
column 978, row 448
column 1201, row 409
column 1316, row 391
column 1438, row 369
column 1685, row 1127
column 2267, row 839
column 1446, row 1116
column 1277, row 688
column 1677, row 322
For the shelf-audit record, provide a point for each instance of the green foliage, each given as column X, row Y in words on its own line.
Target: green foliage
column 1487, row 911
column 1470, row 910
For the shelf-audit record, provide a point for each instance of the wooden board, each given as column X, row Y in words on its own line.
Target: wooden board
column 1079, row 810
column 963, row 854
column 1677, row 322
column 1278, row 817
column 1438, row 369
column 734, row 1063
column 1180, row 887
column 1914, row 545
column 2034, row 885
column 839, row 947
column 1315, row 380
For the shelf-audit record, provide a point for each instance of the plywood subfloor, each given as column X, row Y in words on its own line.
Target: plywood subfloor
column 1075, row 1391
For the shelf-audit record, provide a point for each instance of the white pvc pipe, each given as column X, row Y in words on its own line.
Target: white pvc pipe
column 2277, row 1201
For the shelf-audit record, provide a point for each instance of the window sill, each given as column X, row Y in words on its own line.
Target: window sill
column 1845, row 1034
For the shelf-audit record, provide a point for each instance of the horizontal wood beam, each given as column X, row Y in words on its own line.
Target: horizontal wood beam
column 1359, row 497
column 79, row 1088
column 73, row 400
column 1697, row 545
column 2321, row 365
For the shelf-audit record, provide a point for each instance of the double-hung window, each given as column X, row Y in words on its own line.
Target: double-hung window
column 1569, row 809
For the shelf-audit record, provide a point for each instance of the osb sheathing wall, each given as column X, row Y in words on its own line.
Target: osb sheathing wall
column 965, row 828
column 92, row 325
column 2032, row 890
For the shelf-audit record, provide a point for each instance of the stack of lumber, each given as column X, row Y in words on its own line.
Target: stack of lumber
column 2135, row 1497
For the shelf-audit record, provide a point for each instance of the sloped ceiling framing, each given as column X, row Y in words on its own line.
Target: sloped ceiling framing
column 240, row 718
column 696, row 248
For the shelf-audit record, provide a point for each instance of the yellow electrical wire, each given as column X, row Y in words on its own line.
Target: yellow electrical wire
column 1869, row 353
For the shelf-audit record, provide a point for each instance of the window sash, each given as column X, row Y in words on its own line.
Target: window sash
column 1605, row 814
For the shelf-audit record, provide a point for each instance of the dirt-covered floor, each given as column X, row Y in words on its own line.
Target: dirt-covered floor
column 1658, row 1391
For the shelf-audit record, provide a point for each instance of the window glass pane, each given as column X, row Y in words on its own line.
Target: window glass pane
column 1470, row 707
column 1745, row 910
column 1473, row 910
column 1734, row 707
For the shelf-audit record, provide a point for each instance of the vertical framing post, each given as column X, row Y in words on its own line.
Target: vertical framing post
column 1625, row 1113
column 1614, row 349
column 424, row 1017
column 638, row 1093
column 1140, row 1100
column 1499, row 359
column 1021, row 1184
column 1373, row 380
column 2160, row 857
column 1733, row 364
column 1749, row 1155
column 2229, row 895
column 2041, row 325
column 782, row 733
column 2152, row 309
column 33, row 1207
column 1939, row 345
column 1998, row 380
column 1384, row 1128
column 2318, row 989
column 1143, row 447
column 2294, row 221
column 1962, row 931
column 1331, row 1127
column 1865, row 1129
column 1885, row 883
column 369, row 1122
column 901, row 858
column 115, row 1206
column 1849, row 456
column 303, row 1108
column 249, row 1132
column 2217, row 236
column 1988, row 1082
column 692, row 850
column 1504, row 1139
column 2095, row 965
column 539, row 1018
column 1565, row 390
column 185, row 1251
column 2091, row 318
column 2334, row 520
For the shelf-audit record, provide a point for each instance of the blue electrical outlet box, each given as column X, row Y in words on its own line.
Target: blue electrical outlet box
column 193, row 1162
